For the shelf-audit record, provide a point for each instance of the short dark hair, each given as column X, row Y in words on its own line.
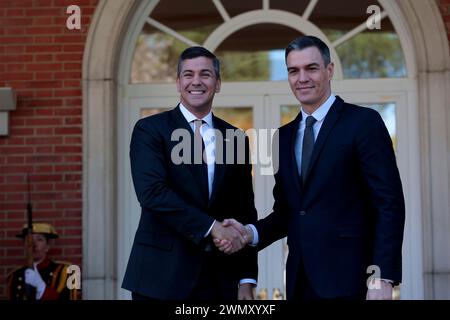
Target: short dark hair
column 194, row 52
column 306, row 42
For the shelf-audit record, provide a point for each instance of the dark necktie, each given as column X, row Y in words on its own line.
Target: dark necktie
column 200, row 154
column 308, row 145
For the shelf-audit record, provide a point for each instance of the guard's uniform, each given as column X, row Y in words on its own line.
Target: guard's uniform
column 54, row 274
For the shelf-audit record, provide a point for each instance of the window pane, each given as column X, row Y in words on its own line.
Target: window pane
column 240, row 117
column 296, row 7
column 288, row 113
column 336, row 15
column 155, row 58
column 156, row 54
column 248, row 58
column 235, row 7
column 386, row 110
column 187, row 15
column 372, row 55
column 146, row 112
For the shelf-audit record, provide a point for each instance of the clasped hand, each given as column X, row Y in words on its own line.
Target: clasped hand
column 231, row 236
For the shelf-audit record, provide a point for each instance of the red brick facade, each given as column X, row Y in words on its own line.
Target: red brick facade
column 444, row 6
column 42, row 60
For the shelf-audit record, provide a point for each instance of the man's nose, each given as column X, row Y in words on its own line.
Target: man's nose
column 303, row 76
column 196, row 79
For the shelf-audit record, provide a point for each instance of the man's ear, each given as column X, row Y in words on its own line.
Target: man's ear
column 330, row 69
column 218, row 85
column 178, row 85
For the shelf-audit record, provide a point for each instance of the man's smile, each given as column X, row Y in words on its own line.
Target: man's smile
column 196, row 92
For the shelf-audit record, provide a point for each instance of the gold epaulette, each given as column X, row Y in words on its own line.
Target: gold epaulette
column 60, row 280
column 61, row 271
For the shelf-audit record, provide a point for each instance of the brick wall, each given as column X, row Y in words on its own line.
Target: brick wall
column 444, row 6
column 42, row 60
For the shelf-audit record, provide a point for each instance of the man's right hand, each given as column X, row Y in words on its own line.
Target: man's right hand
column 245, row 232
column 230, row 238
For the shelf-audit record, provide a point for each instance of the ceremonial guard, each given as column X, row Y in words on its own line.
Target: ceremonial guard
column 42, row 278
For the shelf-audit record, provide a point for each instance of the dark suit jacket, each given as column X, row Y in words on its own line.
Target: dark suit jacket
column 169, row 248
column 350, row 212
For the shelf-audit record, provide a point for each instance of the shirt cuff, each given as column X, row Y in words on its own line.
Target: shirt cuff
column 248, row 280
column 209, row 230
column 255, row 236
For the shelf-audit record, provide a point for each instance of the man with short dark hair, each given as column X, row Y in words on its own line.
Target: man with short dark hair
column 338, row 194
column 183, row 202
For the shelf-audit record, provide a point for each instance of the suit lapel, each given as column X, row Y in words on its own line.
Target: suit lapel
column 219, row 168
column 178, row 121
column 292, row 157
column 328, row 124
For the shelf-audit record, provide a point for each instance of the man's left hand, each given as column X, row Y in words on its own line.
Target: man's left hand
column 245, row 292
column 381, row 290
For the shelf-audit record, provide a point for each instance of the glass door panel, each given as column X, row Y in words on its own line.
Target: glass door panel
column 386, row 110
column 240, row 117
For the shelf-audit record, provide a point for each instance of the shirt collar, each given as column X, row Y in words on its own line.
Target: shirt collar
column 190, row 117
column 322, row 111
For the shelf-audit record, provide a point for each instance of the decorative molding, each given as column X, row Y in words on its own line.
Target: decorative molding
column 99, row 141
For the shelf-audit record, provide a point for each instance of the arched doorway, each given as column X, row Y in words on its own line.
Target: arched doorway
column 267, row 100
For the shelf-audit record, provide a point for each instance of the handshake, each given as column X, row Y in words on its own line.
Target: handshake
column 231, row 236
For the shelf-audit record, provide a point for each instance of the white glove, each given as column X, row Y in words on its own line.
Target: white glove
column 33, row 278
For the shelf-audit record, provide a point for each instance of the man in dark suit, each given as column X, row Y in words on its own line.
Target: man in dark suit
column 184, row 196
column 338, row 194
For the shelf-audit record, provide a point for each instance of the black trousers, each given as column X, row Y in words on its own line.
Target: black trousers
column 305, row 292
column 214, row 284
column 137, row 296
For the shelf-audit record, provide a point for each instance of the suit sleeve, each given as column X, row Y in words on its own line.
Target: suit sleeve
column 150, row 178
column 275, row 226
column 248, row 257
column 378, row 165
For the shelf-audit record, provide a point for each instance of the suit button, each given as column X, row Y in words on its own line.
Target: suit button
column 302, row 213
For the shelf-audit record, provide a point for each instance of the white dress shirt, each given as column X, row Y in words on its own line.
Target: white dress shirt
column 209, row 139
